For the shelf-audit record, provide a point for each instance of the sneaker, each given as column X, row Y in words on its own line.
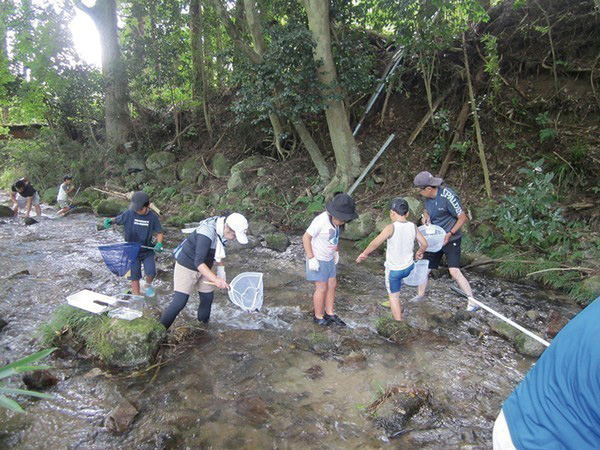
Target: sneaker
column 150, row 292
column 335, row 320
column 472, row 307
column 417, row 299
column 323, row 321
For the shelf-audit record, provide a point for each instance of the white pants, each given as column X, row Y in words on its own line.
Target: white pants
column 501, row 437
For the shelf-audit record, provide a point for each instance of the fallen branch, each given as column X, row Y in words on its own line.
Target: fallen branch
column 579, row 269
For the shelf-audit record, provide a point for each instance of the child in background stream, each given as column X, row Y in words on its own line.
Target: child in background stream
column 400, row 236
column 64, row 194
column 320, row 244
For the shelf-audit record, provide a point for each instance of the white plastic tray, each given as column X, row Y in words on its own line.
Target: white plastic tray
column 85, row 300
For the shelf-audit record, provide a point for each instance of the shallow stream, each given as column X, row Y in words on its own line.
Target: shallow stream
column 271, row 379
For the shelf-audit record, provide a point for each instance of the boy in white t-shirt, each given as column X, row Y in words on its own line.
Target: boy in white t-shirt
column 400, row 236
column 64, row 194
column 321, row 244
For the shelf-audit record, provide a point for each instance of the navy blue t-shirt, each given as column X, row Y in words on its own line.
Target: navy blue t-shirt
column 444, row 210
column 557, row 405
column 139, row 228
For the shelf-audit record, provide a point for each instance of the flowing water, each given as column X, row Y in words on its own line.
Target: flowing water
column 271, row 379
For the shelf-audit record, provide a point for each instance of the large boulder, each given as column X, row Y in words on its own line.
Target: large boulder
column 261, row 228
column 236, row 181
column 135, row 163
column 159, row 160
column 415, row 207
column 189, row 171
column 220, row 165
column 6, row 211
column 360, row 228
column 110, row 207
column 130, row 343
column 248, row 163
column 528, row 346
column 504, row 330
column 592, row 285
column 277, row 241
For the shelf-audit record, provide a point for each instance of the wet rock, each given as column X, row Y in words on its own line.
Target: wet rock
column 359, row 228
column 532, row 314
column 394, row 330
column 461, row 315
column 234, row 246
column 504, row 330
column 119, row 419
column 252, row 408
column 166, row 440
column 354, row 360
column 277, row 241
column 84, row 274
column 555, row 323
column 3, row 323
column 220, row 165
column 21, row 274
column 315, row 372
column 528, row 346
column 6, row 211
column 350, row 344
column 130, row 344
column 39, row 380
column 160, row 160
column 29, row 221
column 395, row 407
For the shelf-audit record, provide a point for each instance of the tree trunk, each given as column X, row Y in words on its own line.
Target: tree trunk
column 460, row 125
column 313, row 149
column 346, row 152
column 199, row 78
column 486, row 174
column 117, row 118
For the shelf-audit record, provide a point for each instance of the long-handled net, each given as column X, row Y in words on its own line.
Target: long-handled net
column 119, row 257
column 246, row 291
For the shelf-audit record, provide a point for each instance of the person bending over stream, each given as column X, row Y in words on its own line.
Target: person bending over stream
column 194, row 259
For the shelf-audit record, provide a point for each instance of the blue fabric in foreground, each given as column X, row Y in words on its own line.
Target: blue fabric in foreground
column 120, row 257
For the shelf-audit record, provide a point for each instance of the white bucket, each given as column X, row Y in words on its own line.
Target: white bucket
column 434, row 235
column 419, row 274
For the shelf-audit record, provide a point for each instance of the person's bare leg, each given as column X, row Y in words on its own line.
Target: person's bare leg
column 460, row 279
column 319, row 298
column 330, row 296
column 395, row 305
column 423, row 287
column 135, row 287
column 38, row 210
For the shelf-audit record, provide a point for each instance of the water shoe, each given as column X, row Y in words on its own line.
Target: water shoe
column 150, row 291
column 335, row 320
column 323, row 321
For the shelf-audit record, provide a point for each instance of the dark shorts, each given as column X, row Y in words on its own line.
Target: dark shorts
column 452, row 252
column 149, row 267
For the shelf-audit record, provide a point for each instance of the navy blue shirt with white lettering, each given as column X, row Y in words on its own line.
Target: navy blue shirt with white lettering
column 139, row 228
column 444, row 210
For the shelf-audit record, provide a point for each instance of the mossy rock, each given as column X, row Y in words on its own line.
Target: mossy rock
column 248, row 163
column 160, row 160
column 592, row 285
column 189, row 171
column 220, row 165
column 528, row 346
column 504, row 330
column 130, row 344
column 261, row 228
column 49, row 195
column 165, row 176
column 415, row 208
column 202, row 202
column 89, row 196
column 6, row 211
column 277, row 241
column 397, row 331
column 110, row 207
column 236, row 181
column 359, row 228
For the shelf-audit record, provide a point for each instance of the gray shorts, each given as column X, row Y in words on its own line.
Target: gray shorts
column 22, row 201
column 63, row 203
column 325, row 272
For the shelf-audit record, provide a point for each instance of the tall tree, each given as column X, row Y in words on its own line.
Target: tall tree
column 198, row 49
column 117, row 119
column 347, row 156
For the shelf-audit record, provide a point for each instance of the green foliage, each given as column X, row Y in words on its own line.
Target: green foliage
column 531, row 215
column 492, row 63
column 364, row 242
column 18, row 367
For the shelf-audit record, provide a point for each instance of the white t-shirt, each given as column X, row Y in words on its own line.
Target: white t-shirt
column 399, row 252
column 62, row 192
column 325, row 237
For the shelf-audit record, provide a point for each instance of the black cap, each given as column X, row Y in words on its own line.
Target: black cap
column 342, row 207
column 399, row 205
column 67, row 177
column 139, row 199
